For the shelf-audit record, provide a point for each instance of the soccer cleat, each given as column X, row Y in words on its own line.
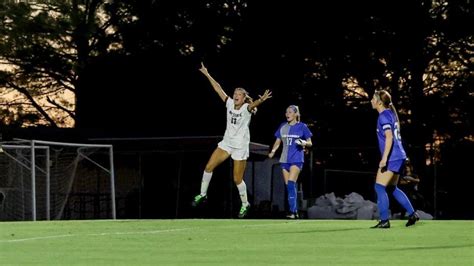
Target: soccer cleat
column 198, row 200
column 244, row 210
column 382, row 224
column 292, row 215
column 412, row 219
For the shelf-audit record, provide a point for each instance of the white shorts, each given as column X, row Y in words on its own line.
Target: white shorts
column 237, row 154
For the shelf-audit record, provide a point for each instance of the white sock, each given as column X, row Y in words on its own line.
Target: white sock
column 206, row 178
column 243, row 193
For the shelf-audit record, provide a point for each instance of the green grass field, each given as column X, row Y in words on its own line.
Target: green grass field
column 223, row 242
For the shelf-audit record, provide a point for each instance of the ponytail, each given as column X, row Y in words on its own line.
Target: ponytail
column 394, row 110
column 386, row 100
column 248, row 99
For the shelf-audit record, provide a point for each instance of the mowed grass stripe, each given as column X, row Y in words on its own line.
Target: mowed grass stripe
column 255, row 242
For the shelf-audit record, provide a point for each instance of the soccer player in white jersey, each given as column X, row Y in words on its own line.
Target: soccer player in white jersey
column 295, row 136
column 236, row 139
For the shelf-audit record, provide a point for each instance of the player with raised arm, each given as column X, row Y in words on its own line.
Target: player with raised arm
column 236, row 141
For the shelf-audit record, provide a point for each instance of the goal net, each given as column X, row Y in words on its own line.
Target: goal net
column 43, row 180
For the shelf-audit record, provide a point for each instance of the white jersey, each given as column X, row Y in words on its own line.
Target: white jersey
column 237, row 132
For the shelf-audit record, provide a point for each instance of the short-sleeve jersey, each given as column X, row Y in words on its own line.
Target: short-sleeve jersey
column 388, row 121
column 237, row 133
column 292, row 152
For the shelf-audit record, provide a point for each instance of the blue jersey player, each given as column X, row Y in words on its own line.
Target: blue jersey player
column 295, row 137
column 393, row 159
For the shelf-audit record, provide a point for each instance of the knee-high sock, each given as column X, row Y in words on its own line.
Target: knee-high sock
column 292, row 196
column 243, row 193
column 206, row 178
column 382, row 201
column 402, row 198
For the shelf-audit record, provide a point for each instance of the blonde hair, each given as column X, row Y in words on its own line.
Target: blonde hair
column 296, row 109
column 247, row 99
column 386, row 99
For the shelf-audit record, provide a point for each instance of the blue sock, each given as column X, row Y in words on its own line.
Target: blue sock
column 382, row 201
column 292, row 196
column 402, row 198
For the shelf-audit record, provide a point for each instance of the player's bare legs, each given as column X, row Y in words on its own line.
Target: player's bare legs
column 217, row 157
column 239, row 169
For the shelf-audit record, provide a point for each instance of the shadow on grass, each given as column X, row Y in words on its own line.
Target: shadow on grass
column 430, row 248
column 324, row 231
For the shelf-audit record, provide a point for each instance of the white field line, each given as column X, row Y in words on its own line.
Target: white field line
column 95, row 234
column 261, row 225
column 142, row 232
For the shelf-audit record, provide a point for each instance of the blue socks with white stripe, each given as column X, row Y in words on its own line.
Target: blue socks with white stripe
column 292, row 196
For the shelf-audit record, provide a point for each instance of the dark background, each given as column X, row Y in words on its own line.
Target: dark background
column 302, row 51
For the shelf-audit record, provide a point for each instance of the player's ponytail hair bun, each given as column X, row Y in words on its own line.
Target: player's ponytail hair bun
column 386, row 99
column 248, row 99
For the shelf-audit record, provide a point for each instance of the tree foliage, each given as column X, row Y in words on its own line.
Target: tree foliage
column 45, row 47
column 328, row 57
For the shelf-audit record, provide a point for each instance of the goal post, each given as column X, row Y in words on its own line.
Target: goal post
column 69, row 180
column 19, row 159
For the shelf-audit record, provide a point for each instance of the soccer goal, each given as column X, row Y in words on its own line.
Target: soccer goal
column 44, row 180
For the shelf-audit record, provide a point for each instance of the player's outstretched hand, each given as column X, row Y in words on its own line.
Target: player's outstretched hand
column 266, row 95
column 203, row 69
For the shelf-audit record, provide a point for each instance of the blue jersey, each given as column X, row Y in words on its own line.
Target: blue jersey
column 388, row 121
column 292, row 152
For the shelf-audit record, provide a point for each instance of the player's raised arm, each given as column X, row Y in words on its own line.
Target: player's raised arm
column 260, row 100
column 215, row 85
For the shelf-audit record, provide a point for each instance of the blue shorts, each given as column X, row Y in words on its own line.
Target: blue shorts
column 286, row 166
column 396, row 166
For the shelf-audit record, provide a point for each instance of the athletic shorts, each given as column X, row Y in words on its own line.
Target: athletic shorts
column 396, row 166
column 286, row 166
column 237, row 154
